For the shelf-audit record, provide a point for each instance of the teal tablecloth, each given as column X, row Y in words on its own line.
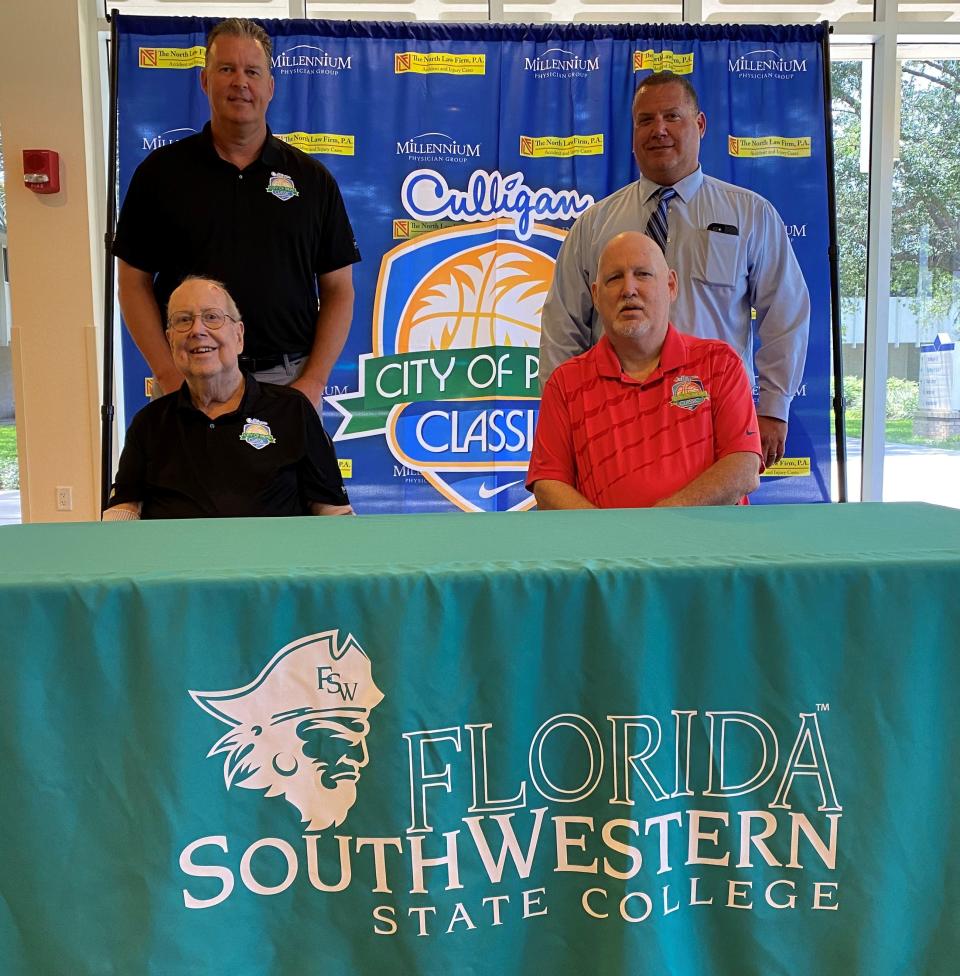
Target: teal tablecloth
column 677, row 742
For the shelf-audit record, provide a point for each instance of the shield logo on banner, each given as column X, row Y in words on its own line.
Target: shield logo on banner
column 452, row 380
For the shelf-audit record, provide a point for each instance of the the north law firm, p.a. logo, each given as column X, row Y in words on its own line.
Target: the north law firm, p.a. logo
column 182, row 58
column 298, row 730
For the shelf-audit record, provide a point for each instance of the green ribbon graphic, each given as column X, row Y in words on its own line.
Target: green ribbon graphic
column 440, row 374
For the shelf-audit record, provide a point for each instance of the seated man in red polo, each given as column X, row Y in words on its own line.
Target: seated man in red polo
column 649, row 416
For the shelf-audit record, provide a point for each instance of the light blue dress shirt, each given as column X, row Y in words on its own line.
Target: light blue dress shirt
column 721, row 277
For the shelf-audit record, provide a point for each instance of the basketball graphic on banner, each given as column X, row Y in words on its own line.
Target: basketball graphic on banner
column 490, row 295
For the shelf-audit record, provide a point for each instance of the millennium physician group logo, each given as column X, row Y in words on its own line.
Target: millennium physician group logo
column 309, row 59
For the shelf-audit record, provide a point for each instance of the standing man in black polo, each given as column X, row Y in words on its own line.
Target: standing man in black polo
column 236, row 204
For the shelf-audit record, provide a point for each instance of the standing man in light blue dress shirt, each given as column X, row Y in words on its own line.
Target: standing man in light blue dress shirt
column 728, row 244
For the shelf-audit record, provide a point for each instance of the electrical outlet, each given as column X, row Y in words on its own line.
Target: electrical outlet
column 64, row 498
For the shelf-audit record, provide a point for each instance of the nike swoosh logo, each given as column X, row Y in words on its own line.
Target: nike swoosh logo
column 486, row 492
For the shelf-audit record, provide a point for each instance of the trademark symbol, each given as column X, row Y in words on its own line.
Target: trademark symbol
column 823, row 706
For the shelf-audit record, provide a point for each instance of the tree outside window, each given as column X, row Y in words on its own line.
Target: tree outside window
column 925, row 249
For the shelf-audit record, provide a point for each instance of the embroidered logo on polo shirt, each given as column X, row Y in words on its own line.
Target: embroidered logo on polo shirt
column 688, row 392
column 281, row 186
column 257, row 433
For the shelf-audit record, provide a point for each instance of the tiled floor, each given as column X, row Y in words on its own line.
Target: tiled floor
column 9, row 507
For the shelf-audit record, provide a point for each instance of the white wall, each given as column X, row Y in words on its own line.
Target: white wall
column 46, row 49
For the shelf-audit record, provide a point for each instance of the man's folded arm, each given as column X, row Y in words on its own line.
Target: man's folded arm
column 554, row 495
column 725, row 482
column 323, row 508
column 123, row 512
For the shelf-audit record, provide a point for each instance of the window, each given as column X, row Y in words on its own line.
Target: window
column 922, row 455
column 9, row 470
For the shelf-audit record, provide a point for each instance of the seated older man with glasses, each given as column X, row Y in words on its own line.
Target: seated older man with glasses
column 223, row 445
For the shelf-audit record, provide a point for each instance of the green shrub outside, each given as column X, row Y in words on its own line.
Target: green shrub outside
column 9, row 468
column 903, row 396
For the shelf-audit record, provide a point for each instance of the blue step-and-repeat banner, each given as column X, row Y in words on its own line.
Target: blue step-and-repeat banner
column 464, row 152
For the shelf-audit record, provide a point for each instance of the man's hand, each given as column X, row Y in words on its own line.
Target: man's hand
column 333, row 324
column 773, row 439
column 311, row 388
column 552, row 495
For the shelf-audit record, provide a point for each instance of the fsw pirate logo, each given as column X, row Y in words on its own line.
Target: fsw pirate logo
column 299, row 729
column 452, row 383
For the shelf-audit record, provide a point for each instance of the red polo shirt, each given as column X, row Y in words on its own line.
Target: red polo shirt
column 626, row 444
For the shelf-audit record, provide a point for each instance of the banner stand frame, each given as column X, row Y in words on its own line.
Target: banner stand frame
column 107, row 409
column 838, row 402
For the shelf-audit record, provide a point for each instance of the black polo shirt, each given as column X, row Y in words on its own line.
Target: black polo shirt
column 266, row 232
column 271, row 456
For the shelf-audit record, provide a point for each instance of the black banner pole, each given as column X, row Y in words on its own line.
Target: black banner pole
column 834, row 254
column 107, row 407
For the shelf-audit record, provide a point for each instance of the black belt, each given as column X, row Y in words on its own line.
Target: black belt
column 257, row 364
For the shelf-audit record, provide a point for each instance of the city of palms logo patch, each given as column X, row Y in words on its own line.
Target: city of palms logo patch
column 688, row 392
column 282, row 186
column 257, row 433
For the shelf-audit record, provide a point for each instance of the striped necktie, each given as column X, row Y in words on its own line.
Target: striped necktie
column 657, row 224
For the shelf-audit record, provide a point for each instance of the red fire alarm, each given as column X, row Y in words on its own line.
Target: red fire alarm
column 41, row 170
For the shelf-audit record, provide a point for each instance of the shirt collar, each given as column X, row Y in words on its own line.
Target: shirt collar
column 269, row 152
column 206, row 138
column 251, row 390
column 672, row 356
column 686, row 188
column 607, row 362
column 270, row 155
column 674, row 352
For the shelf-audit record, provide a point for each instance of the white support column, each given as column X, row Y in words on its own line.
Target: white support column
column 50, row 102
column 883, row 142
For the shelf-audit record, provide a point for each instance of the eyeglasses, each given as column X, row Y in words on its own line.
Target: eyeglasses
column 212, row 318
